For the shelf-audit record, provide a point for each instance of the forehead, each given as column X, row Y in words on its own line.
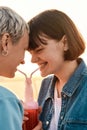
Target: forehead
column 25, row 39
column 38, row 40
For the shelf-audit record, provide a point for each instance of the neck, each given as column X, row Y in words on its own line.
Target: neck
column 66, row 71
column 64, row 74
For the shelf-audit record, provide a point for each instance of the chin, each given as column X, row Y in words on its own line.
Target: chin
column 43, row 74
column 11, row 75
column 8, row 75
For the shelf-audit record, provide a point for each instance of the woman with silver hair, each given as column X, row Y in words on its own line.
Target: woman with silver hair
column 14, row 39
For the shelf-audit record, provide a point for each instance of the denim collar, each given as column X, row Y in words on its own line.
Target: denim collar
column 50, row 93
column 73, row 83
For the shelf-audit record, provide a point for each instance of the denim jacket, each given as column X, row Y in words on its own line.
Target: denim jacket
column 73, row 115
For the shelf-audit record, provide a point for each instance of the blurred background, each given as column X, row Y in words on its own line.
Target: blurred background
column 75, row 9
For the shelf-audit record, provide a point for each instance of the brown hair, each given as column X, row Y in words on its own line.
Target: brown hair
column 55, row 24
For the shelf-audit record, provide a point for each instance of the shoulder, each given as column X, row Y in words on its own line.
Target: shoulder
column 11, row 110
column 9, row 102
column 8, row 98
column 6, row 93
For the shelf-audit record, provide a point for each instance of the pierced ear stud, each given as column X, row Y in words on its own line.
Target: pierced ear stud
column 4, row 53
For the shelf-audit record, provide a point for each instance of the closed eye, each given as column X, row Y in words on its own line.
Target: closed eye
column 39, row 50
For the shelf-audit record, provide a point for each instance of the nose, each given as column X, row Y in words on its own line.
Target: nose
column 22, row 62
column 34, row 59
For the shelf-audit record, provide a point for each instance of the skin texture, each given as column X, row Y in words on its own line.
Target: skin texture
column 15, row 55
column 50, row 59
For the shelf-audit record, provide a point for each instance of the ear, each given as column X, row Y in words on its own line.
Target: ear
column 4, row 44
column 4, row 41
column 65, row 43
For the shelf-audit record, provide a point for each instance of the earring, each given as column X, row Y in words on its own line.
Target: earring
column 4, row 53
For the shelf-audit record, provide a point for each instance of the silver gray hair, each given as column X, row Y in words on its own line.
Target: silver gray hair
column 12, row 23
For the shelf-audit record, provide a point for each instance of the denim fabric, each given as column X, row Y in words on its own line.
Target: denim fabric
column 73, row 115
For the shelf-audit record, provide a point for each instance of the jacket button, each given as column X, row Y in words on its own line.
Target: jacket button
column 61, row 117
column 64, row 95
column 47, row 122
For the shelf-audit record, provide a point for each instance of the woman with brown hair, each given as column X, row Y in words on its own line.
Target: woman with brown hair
column 55, row 46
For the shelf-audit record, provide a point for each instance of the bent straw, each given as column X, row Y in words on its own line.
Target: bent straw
column 22, row 73
column 30, row 74
column 33, row 72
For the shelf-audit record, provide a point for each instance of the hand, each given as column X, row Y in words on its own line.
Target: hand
column 39, row 126
column 25, row 118
column 39, row 109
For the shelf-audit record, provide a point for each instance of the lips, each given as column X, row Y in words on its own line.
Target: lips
column 42, row 65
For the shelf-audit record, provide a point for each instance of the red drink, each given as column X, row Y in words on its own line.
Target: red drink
column 33, row 119
column 30, row 106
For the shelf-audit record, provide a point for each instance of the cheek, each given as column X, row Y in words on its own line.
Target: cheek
column 59, row 54
column 21, row 53
column 48, row 55
column 57, row 59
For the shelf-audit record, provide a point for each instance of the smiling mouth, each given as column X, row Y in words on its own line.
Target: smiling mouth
column 43, row 65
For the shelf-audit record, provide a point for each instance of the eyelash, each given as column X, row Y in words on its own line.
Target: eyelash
column 39, row 50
